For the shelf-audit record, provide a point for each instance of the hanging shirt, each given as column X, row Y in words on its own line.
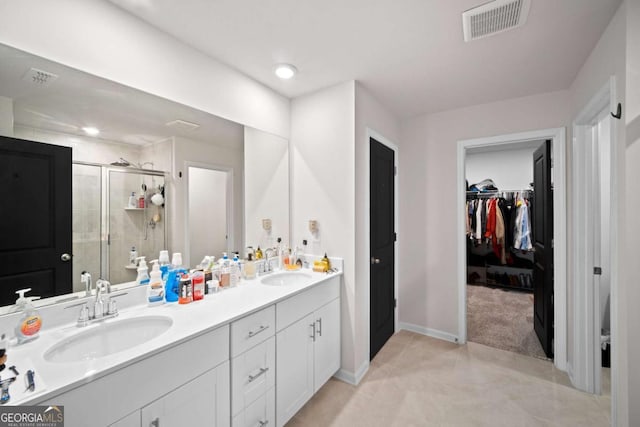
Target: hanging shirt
column 478, row 229
column 499, row 242
column 525, row 243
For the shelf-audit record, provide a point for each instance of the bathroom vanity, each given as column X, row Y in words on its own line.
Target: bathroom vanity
column 225, row 360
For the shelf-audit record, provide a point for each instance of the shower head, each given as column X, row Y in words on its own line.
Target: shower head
column 122, row 162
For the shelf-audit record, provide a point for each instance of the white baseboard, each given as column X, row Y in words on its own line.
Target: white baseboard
column 570, row 373
column 434, row 333
column 351, row 378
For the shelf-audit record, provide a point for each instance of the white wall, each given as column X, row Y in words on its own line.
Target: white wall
column 323, row 186
column 370, row 115
column 428, row 285
column 266, row 188
column 189, row 152
column 510, row 169
column 97, row 37
column 85, row 149
column 629, row 315
column 608, row 59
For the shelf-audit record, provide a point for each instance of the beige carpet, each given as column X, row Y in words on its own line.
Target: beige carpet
column 502, row 319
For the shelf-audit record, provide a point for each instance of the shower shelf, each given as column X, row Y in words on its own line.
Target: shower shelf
column 134, row 209
column 131, row 267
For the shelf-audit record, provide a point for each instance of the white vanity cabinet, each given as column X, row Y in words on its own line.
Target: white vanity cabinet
column 253, row 369
column 185, row 382
column 307, row 345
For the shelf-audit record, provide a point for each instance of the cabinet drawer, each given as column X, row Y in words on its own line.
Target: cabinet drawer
column 252, row 330
column 252, row 374
column 260, row 413
column 298, row 306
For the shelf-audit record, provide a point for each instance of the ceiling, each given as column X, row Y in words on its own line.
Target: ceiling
column 409, row 53
column 76, row 99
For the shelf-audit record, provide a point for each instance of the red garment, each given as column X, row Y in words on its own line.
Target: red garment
column 491, row 219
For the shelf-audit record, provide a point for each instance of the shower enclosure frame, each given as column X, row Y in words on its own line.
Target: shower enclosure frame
column 105, row 231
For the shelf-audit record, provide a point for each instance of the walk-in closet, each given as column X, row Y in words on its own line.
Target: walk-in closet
column 499, row 214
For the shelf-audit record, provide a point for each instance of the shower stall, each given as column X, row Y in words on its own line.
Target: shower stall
column 116, row 208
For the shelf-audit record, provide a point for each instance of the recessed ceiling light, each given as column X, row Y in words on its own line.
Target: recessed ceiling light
column 91, row 131
column 285, row 71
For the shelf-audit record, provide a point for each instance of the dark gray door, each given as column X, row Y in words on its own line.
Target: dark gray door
column 542, row 228
column 35, row 219
column 382, row 235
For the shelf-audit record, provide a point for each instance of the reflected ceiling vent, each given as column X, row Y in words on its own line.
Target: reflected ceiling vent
column 39, row 77
column 183, row 125
column 493, row 18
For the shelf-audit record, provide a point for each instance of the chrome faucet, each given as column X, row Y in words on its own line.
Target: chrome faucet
column 85, row 278
column 269, row 253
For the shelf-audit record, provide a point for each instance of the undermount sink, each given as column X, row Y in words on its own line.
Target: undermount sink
column 284, row 279
column 108, row 338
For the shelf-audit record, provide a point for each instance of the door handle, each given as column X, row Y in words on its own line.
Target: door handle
column 262, row 371
column 319, row 322
column 375, row 260
column 313, row 334
column 65, row 257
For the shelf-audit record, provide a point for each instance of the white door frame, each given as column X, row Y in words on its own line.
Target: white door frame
column 585, row 366
column 229, row 208
column 557, row 135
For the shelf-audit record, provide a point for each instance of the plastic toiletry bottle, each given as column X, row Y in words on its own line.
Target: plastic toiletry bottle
column 163, row 259
column 133, row 201
column 197, row 283
column 30, row 322
column 303, row 256
column 224, row 261
column 176, row 260
column 141, row 202
column 326, row 262
column 186, row 290
column 249, row 268
column 155, row 293
column 143, row 272
column 133, row 256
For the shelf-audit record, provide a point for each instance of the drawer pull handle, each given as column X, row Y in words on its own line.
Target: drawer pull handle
column 261, row 329
column 256, row 376
column 319, row 322
column 263, row 423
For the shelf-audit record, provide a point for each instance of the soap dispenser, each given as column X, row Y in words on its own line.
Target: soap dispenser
column 143, row 272
column 155, row 293
column 30, row 321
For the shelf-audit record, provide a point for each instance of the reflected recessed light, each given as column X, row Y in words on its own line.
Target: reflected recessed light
column 91, row 131
column 285, row 71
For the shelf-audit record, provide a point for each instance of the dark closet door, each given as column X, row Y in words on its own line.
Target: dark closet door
column 382, row 235
column 35, row 219
column 542, row 228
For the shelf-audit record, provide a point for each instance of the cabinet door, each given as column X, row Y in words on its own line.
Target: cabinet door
column 294, row 368
column 202, row 401
column 327, row 345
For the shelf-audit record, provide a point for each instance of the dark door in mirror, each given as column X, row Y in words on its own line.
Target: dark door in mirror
column 35, row 219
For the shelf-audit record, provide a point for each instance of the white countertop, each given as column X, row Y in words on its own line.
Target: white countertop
column 189, row 320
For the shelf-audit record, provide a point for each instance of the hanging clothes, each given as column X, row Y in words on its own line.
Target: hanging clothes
column 522, row 226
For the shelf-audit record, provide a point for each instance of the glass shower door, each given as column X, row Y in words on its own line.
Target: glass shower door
column 136, row 219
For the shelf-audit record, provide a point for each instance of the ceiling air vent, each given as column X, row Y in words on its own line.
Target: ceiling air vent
column 182, row 125
column 39, row 77
column 493, row 18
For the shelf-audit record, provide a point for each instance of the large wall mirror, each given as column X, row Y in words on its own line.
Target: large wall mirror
column 208, row 185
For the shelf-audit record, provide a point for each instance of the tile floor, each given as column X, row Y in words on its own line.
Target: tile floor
column 420, row 381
